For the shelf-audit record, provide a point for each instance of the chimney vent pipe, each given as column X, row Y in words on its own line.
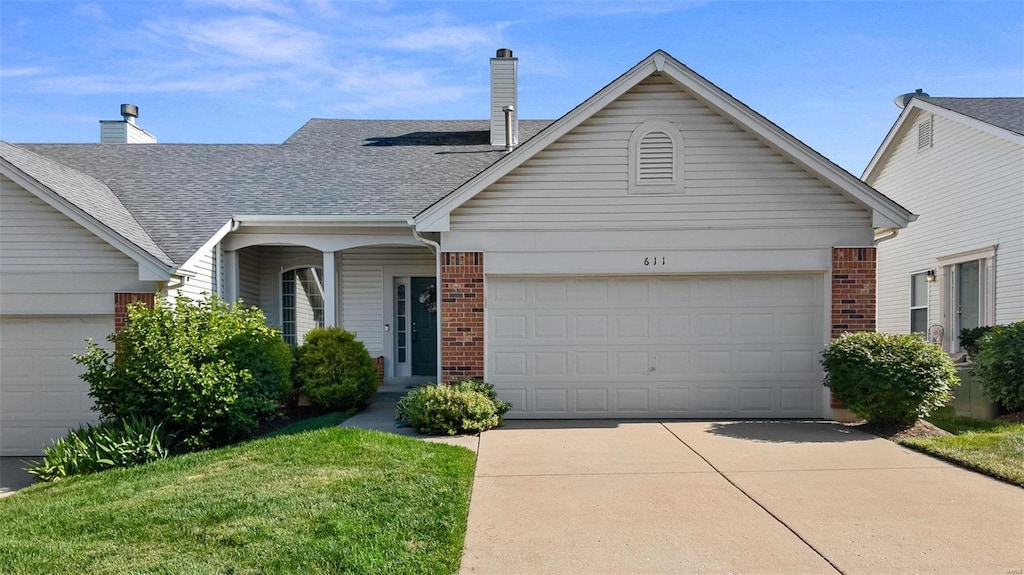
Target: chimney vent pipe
column 129, row 112
column 503, row 53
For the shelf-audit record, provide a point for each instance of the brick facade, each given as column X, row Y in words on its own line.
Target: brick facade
column 853, row 292
column 123, row 300
column 462, row 315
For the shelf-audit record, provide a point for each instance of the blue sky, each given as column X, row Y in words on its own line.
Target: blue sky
column 253, row 71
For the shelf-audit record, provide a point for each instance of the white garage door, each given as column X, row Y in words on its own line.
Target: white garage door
column 672, row 347
column 41, row 395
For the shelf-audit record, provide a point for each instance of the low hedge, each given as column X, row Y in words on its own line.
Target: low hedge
column 889, row 378
column 465, row 407
column 1000, row 364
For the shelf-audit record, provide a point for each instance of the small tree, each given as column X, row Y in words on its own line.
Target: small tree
column 334, row 370
column 888, row 378
column 1000, row 364
column 210, row 372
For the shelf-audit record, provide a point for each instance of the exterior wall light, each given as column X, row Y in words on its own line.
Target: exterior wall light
column 930, row 276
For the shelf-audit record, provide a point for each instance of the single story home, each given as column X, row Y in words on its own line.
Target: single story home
column 959, row 162
column 660, row 251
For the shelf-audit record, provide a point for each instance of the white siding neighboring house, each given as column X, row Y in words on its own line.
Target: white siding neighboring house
column 959, row 163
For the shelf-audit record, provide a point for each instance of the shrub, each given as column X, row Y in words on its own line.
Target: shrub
column 1000, row 364
column 210, row 372
column 93, row 448
column 335, row 371
column 464, row 407
column 888, row 378
column 970, row 339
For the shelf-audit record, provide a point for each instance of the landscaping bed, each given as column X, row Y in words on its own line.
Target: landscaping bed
column 325, row 501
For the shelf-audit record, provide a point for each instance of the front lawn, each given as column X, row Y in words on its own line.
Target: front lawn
column 326, row 501
column 991, row 447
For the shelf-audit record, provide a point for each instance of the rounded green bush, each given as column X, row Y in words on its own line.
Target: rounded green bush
column 1000, row 364
column 209, row 371
column 464, row 407
column 888, row 378
column 335, row 371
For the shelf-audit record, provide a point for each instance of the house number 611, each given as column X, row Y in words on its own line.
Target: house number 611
column 654, row 261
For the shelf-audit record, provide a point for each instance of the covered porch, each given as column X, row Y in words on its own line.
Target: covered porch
column 372, row 277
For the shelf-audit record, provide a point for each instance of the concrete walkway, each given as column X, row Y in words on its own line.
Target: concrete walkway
column 380, row 416
column 739, row 497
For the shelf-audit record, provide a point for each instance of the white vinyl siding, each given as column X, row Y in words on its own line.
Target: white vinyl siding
column 737, row 190
column 203, row 283
column 969, row 192
column 249, row 276
column 365, row 275
column 50, row 264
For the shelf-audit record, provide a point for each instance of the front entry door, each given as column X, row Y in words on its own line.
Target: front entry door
column 423, row 328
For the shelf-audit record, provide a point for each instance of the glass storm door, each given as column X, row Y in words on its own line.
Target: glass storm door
column 423, row 325
column 968, row 296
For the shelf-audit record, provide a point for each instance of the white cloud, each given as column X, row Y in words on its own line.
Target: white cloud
column 91, row 11
column 266, row 6
column 255, row 39
column 440, row 38
column 22, row 72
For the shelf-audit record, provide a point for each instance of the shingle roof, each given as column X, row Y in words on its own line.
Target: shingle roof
column 1005, row 113
column 86, row 193
column 183, row 193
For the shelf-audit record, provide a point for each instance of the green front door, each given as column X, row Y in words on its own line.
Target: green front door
column 423, row 317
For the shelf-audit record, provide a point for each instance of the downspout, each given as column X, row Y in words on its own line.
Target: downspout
column 436, row 248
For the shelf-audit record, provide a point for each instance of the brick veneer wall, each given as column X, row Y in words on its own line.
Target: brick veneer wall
column 853, row 292
column 462, row 315
column 123, row 300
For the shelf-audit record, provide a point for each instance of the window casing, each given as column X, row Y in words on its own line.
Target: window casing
column 919, row 303
column 302, row 302
column 656, row 159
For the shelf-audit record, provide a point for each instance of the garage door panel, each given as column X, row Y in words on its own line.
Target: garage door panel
column 659, row 347
column 41, row 393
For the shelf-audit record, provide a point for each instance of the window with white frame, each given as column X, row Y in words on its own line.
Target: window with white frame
column 302, row 302
column 919, row 303
column 967, row 298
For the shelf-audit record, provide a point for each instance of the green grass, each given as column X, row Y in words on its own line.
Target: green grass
column 326, row 501
column 991, row 447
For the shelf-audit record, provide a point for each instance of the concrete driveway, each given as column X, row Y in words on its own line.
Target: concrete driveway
column 739, row 497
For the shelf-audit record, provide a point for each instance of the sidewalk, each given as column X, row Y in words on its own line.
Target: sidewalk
column 380, row 416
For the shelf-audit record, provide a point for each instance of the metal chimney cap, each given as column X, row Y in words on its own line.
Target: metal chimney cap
column 902, row 100
column 129, row 110
column 503, row 53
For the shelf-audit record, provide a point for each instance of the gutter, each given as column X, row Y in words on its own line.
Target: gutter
column 368, row 221
column 436, row 248
column 889, row 234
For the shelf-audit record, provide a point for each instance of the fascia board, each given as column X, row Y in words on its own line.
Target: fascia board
column 797, row 151
column 150, row 268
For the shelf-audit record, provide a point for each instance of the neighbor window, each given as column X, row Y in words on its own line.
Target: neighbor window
column 302, row 303
column 919, row 303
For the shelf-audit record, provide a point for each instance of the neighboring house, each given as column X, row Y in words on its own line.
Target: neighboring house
column 959, row 162
column 660, row 251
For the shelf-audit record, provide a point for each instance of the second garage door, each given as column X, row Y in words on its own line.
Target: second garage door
column 41, row 394
column 668, row 347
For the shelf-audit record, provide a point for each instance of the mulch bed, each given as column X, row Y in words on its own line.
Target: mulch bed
column 289, row 417
column 919, row 428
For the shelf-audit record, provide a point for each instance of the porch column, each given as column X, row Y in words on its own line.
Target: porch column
column 230, row 269
column 330, row 291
